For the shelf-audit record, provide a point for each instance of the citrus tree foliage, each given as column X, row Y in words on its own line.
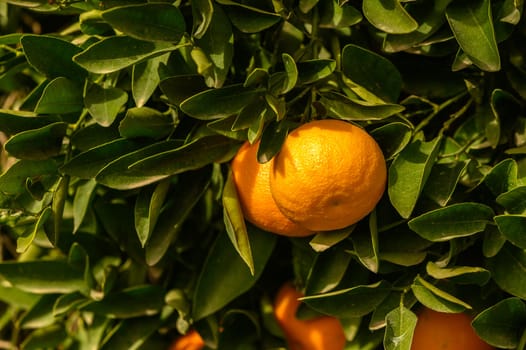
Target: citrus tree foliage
column 120, row 228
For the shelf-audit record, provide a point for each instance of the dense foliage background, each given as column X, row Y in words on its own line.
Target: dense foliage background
column 120, row 228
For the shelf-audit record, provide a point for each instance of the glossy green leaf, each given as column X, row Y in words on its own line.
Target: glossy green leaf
column 312, row 71
column 392, row 302
column 502, row 324
column 365, row 244
column 435, row 298
column 502, row 177
column 36, row 144
column 152, row 21
column 408, row 174
column 188, row 190
column 219, row 103
column 132, row 302
column 210, row 149
column 507, row 269
column 512, row 227
column 401, row 323
column 52, row 56
column 327, row 239
column 104, row 104
column 202, row 12
column 51, row 337
column 429, row 18
column 92, row 23
column 335, row 16
column 443, row 180
column 327, row 271
column 514, row 201
column 17, row 297
column 351, row 302
column 43, row 276
column 87, row 164
column 225, row 276
column 342, row 107
column 388, row 16
column 459, row 274
column 145, row 79
column 215, row 49
column 249, row 19
column 131, row 333
column 291, row 75
column 392, row 138
column 118, row 52
column 456, row 220
column 82, row 202
column 371, row 71
column 235, row 223
column 146, row 122
column 13, row 122
column 471, row 22
column 61, row 96
column 148, row 208
column 13, row 181
column 24, row 242
column 118, row 174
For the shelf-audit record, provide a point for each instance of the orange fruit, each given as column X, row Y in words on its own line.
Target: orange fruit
column 320, row 333
column 438, row 331
column 252, row 183
column 190, row 341
column 328, row 175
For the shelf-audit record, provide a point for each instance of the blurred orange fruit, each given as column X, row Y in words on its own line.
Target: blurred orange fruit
column 320, row 333
column 190, row 341
column 328, row 175
column 438, row 331
column 252, row 183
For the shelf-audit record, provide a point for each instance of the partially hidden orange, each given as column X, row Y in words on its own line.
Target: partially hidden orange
column 320, row 333
column 452, row 331
column 252, row 183
column 190, row 341
column 328, row 175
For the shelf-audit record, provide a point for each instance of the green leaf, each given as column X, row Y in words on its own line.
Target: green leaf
column 374, row 73
column 61, row 96
column 327, row 239
column 36, row 144
column 471, row 23
column 148, row 208
column 365, row 244
column 145, row 79
column 291, row 75
column 179, row 88
column 343, row 107
column 41, row 314
column 82, row 201
column 146, row 122
column 87, row 164
column 52, row 56
column 104, row 104
column 152, row 21
column 137, row 301
column 271, row 140
column 131, row 333
column 389, row 16
column 311, row 71
column 190, row 156
column 392, row 138
column 225, row 276
column 443, row 180
column 189, row 188
column 335, row 16
column 408, row 174
column 430, row 19
column 202, row 12
column 235, row 223
column 327, row 271
column 459, row 274
column 51, row 337
column 249, row 19
column 508, row 268
column 512, row 227
column 17, row 297
column 24, row 242
column 13, row 122
column 219, row 103
column 13, row 181
column 456, row 220
column 351, row 302
column 43, row 276
column 435, row 298
column 118, row 52
column 118, row 174
column 215, row 49
column 401, row 323
column 502, row 177
column 514, row 200
column 502, row 324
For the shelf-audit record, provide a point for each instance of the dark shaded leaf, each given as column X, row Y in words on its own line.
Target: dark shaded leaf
column 13, row 181
column 39, row 143
column 342, row 107
column 513, row 227
column 146, row 122
column 435, row 298
column 508, row 268
column 61, row 96
column 13, row 122
column 148, row 208
column 249, row 19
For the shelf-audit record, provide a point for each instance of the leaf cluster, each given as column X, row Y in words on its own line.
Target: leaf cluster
column 120, row 227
